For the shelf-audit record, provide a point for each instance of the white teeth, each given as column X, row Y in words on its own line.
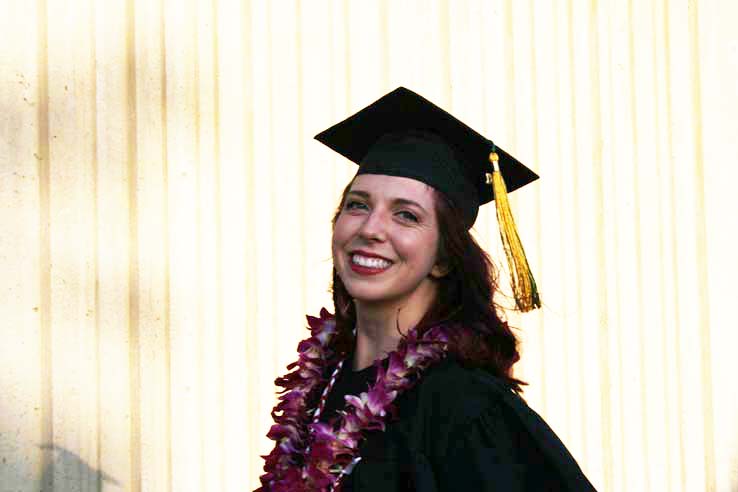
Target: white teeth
column 370, row 262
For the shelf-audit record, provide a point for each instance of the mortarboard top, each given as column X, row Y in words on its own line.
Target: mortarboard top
column 404, row 134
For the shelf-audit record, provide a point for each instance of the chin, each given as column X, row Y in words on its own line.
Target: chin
column 378, row 292
column 366, row 295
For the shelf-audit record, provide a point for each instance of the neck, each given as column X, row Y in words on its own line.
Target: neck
column 379, row 327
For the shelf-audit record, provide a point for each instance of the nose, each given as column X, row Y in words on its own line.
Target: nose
column 374, row 227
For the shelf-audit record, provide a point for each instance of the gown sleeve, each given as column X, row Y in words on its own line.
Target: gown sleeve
column 496, row 452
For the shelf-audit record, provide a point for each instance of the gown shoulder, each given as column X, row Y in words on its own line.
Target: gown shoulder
column 464, row 429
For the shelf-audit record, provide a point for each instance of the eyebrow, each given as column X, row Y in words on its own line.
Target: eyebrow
column 402, row 201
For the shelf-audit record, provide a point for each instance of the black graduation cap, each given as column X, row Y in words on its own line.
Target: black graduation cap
column 403, row 134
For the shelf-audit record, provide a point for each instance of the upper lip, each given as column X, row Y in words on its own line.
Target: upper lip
column 368, row 255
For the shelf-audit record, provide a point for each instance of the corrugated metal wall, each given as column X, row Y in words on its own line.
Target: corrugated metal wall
column 165, row 221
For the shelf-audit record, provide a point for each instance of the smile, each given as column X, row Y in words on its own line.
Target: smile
column 376, row 263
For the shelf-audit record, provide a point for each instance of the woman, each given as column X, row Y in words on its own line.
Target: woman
column 409, row 387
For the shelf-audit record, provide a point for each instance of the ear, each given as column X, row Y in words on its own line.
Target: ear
column 440, row 270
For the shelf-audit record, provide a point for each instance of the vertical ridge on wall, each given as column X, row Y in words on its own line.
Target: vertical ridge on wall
column 167, row 383
column 572, row 287
column 675, row 457
column 637, row 411
column 237, row 225
column 594, row 413
column 300, row 157
column 113, row 246
column 537, row 148
column 658, row 427
column 665, row 461
column 611, row 431
column 606, row 199
column 153, row 261
column 163, row 91
column 701, row 248
column 623, row 197
column 134, row 355
column 528, row 147
column 263, row 229
column 219, row 460
column 581, row 241
column 46, row 407
column 181, row 124
column 209, row 317
column 547, row 330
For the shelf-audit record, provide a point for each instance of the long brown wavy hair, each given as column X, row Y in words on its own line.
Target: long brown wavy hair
column 465, row 297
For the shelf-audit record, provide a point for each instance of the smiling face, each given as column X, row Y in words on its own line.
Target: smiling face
column 385, row 242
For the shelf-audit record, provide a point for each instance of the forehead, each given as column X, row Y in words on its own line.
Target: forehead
column 393, row 187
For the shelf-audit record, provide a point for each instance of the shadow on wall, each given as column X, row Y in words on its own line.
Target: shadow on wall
column 68, row 468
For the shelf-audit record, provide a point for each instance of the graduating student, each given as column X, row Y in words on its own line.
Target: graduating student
column 409, row 386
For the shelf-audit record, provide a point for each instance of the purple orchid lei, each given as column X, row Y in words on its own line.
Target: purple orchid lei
column 313, row 456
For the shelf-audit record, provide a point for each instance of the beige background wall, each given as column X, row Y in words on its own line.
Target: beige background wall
column 164, row 219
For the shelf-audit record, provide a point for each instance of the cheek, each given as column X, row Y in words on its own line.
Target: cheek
column 420, row 251
column 335, row 244
column 340, row 232
column 335, row 258
column 341, row 235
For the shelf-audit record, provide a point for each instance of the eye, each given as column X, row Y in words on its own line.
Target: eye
column 352, row 204
column 408, row 216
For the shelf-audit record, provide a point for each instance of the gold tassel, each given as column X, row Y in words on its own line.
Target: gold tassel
column 523, row 283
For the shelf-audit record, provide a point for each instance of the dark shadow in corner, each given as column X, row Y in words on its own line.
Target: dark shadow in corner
column 78, row 470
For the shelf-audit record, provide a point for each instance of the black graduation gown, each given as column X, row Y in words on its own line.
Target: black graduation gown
column 458, row 430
